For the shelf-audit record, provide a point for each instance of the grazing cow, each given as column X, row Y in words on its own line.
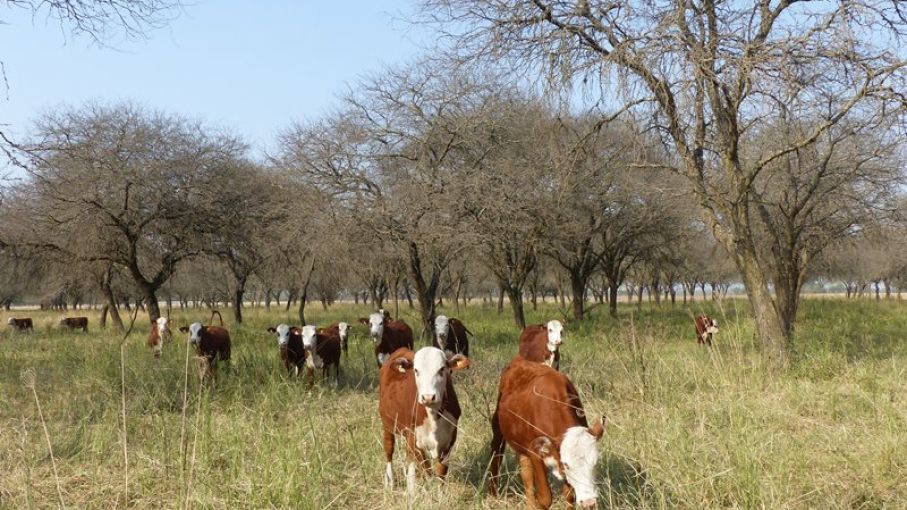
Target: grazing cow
column 450, row 336
column 160, row 334
column 388, row 335
column 342, row 331
column 322, row 351
column 21, row 325
column 212, row 343
column 540, row 416
column 75, row 323
column 541, row 343
column 416, row 400
column 705, row 328
column 292, row 352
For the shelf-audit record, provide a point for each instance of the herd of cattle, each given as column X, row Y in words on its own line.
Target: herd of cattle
column 538, row 413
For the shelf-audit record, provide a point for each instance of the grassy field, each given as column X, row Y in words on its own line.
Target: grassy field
column 690, row 428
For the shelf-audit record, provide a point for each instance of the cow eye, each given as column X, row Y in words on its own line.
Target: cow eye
column 415, row 371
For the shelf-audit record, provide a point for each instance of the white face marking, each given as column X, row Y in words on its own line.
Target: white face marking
column 579, row 456
column 283, row 334
column 713, row 327
column 382, row 358
column 442, row 329
column 11, row 321
column 309, row 337
column 194, row 333
column 431, row 371
column 163, row 328
column 555, row 329
column 344, row 329
column 376, row 326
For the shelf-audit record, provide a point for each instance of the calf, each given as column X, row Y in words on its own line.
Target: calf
column 342, row 331
column 322, row 351
column 705, row 328
column 416, row 400
column 160, row 333
column 388, row 335
column 212, row 343
column 540, row 416
column 292, row 352
column 541, row 343
column 450, row 336
column 21, row 325
column 75, row 323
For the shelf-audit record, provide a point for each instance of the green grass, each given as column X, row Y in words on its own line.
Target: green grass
column 689, row 428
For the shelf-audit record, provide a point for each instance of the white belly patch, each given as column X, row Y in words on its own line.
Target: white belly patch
column 435, row 434
column 314, row 361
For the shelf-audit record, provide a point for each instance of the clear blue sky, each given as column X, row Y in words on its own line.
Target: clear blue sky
column 252, row 67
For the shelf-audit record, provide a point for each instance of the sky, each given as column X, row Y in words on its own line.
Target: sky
column 251, row 67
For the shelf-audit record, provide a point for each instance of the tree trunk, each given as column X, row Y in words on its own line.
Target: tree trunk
column 612, row 300
column 500, row 301
column 516, row 304
column 578, row 291
column 773, row 342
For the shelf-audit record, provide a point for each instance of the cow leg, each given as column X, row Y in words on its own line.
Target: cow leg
column 388, row 456
column 415, row 458
column 528, row 480
column 540, row 479
column 310, row 372
column 441, row 465
column 568, row 494
column 497, row 455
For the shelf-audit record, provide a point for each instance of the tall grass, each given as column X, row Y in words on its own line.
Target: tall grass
column 691, row 428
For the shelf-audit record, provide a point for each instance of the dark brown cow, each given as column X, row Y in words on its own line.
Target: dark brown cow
column 416, row 400
column 541, row 343
column 539, row 414
column 705, row 328
column 75, row 323
column 292, row 352
column 388, row 335
column 450, row 336
column 159, row 335
column 322, row 351
column 21, row 325
column 341, row 330
column 212, row 343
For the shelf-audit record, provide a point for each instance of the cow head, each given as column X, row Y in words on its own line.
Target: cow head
column 195, row 332
column 309, row 337
column 442, row 329
column 344, row 330
column 376, row 326
column 578, row 457
column 163, row 325
column 712, row 326
column 283, row 334
column 432, row 369
column 555, row 334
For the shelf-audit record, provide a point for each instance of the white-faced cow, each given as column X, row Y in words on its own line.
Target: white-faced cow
column 21, row 325
column 212, row 344
column 322, row 351
column 416, row 400
column 450, row 336
column 342, row 331
column 539, row 414
column 388, row 335
column 705, row 328
column 159, row 335
column 541, row 343
column 292, row 352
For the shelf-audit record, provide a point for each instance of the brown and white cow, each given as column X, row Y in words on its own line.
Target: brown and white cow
column 292, row 352
column 541, row 343
column 322, row 351
column 212, row 344
column 705, row 328
column 342, row 331
column 388, row 335
column 416, row 400
column 22, row 325
column 75, row 323
column 159, row 335
column 539, row 414
column 450, row 336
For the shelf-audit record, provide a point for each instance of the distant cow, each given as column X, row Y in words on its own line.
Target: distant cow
column 22, row 325
column 705, row 328
column 342, row 331
column 450, row 336
column 539, row 414
column 322, row 351
column 388, row 335
column 75, row 323
column 416, row 399
column 160, row 334
column 541, row 343
column 292, row 352
column 212, row 343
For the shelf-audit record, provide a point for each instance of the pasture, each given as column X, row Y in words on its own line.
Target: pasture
column 689, row 428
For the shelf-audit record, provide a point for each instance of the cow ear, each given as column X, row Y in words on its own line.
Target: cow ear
column 598, row 428
column 184, row 329
column 543, row 446
column 402, row 364
column 458, row 362
column 363, row 320
column 272, row 330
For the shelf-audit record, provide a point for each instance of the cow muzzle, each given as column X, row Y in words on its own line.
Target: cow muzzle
column 428, row 399
column 589, row 503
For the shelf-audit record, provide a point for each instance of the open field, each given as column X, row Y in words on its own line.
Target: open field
column 689, row 428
